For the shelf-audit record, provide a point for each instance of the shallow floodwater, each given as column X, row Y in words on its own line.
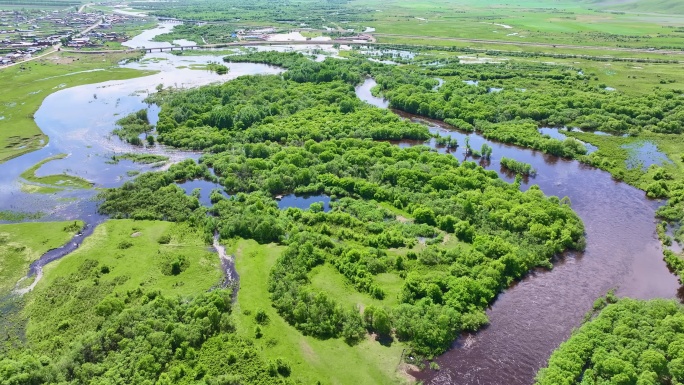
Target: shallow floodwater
column 644, row 155
column 79, row 122
column 531, row 318
column 144, row 40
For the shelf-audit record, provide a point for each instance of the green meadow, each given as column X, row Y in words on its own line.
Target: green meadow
column 23, row 243
column 311, row 358
column 33, row 81
column 123, row 255
column 541, row 21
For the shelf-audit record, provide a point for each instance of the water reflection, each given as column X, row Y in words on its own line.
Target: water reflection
column 205, row 188
column 644, row 154
column 364, row 93
column 80, row 125
column 303, row 201
column 144, row 39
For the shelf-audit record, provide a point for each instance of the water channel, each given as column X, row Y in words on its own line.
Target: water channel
column 527, row 321
column 530, row 319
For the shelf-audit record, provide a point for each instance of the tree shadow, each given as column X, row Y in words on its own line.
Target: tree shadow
column 384, row 339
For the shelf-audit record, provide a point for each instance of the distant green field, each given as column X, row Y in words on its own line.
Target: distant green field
column 582, row 23
column 655, row 6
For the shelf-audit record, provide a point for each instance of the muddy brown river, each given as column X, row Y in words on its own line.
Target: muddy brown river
column 530, row 319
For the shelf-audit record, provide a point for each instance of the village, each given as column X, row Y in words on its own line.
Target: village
column 26, row 33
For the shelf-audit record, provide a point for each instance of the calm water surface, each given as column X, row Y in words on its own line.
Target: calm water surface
column 79, row 122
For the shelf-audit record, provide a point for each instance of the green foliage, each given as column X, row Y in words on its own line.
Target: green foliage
column 245, row 111
column 303, row 70
column 517, row 167
column 141, row 158
column 268, row 136
column 135, row 199
column 288, row 12
column 149, row 338
column 131, row 126
column 630, row 342
column 209, row 33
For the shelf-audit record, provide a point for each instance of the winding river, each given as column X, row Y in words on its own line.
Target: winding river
column 528, row 320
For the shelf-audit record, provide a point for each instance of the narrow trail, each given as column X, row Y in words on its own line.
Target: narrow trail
column 84, row 6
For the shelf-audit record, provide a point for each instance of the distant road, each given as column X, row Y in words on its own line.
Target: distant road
column 557, row 48
column 534, row 44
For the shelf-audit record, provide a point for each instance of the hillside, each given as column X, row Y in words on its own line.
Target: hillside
column 668, row 7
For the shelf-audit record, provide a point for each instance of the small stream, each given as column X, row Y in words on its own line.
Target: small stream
column 532, row 317
column 36, row 268
column 79, row 122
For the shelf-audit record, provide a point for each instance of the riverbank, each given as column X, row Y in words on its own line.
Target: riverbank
column 34, row 81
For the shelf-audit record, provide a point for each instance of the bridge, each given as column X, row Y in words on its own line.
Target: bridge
column 257, row 42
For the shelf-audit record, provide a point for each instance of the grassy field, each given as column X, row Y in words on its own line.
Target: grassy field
column 51, row 183
column 23, row 243
column 535, row 21
column 120, row 256
column 33, row 81
column 330, row 361
column 655, row 6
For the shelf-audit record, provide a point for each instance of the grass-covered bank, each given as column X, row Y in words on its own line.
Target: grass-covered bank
column 23, row 243
column 20, row 245
column 33, row 81
column 51, row 183
column 126, row 256
column 139, row 303
column 329, row 360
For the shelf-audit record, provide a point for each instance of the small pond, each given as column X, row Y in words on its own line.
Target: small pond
column 303, row 201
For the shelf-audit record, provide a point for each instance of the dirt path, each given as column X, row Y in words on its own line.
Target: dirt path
column 29, row 288
column 84, row 6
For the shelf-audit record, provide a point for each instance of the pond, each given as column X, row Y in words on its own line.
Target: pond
column 644, row 155
column 205, row 188
column 303, row 201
